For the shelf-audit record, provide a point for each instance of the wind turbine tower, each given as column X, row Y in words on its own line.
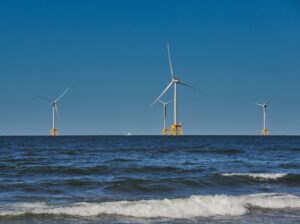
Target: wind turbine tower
column 54, row 130
column 265, row 130
column 176, row 128
column 165, row 130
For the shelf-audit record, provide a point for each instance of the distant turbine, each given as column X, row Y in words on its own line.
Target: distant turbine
column 176, row 128
column 165, row 130
column 54, row 130
column 265, row 130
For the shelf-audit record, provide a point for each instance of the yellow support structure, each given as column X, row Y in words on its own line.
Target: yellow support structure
column 176, row 129
column 54, row 132
column 265, row 132
column 165, row 131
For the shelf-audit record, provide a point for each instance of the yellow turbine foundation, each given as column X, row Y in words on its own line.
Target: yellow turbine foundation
column 176, row 129
column 54, row 132
column 265, row 132
column 164, row 131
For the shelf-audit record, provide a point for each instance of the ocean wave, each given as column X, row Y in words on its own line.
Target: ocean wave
column 194, row 206
column 62, row 170
column 161, row 169
column 216, row 151
column 289, row 165
column 263, row 176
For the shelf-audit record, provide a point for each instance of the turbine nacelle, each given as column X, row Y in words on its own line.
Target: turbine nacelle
column 262, row 105
column 176, row 80
column 165, row 103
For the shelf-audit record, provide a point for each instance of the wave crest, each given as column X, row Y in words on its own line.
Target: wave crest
column 194, row 206
column 264, row 176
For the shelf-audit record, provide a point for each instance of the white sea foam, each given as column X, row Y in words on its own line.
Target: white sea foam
column 262, row 176
column 194, row 206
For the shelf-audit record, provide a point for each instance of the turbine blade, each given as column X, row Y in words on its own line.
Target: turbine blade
column 165, row 90
column 170, row 61
column 269, row 100
column 192, row 87
column 61, row 95
column 259, row 104
column 170, row 101
column 44, row 98
column 56, row 110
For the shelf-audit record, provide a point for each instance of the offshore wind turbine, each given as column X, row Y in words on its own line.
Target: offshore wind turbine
column 165, row 130
column 265, row 130
column 54, row 130
column 176, row 128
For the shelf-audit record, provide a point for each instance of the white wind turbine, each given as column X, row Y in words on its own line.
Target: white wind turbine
column 265, row 130
column 165, row 130
column 176, row 128
column 54, row 130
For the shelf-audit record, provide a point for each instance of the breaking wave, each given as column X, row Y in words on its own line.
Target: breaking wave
column 263, row 176
column 194, row 206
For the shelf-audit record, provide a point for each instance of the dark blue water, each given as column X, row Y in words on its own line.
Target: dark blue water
column 145, row 179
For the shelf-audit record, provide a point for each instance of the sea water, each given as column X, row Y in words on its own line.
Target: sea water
column 150, row 179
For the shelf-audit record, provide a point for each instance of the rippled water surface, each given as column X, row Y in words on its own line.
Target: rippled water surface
column 150, row 179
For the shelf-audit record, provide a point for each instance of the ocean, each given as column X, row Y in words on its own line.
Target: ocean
column 150, row 179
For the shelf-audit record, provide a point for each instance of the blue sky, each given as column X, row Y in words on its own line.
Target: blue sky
column 113, row 55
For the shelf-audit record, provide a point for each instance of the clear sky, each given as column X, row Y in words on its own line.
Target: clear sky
column 113, row 55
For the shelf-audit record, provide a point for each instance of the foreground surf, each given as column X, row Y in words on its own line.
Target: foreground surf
column 194, row 206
